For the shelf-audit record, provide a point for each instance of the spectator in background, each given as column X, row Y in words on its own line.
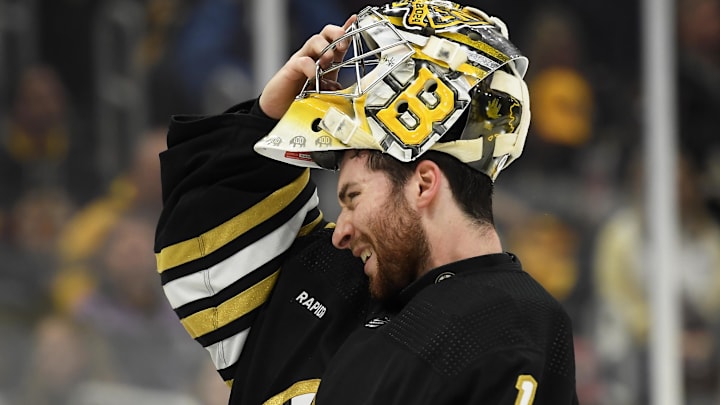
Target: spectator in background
column 38, row 143
column 147, row 346
column 64, row 357
column 137, row 189
column 550, row 204
column 28, row 247
column 562, row 132
column 27, row 263
column 621, row 278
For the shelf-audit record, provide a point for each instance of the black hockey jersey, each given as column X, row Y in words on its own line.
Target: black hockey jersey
column 246, row 261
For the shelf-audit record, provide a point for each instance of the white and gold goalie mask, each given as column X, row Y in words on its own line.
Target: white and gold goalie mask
column 423, row 75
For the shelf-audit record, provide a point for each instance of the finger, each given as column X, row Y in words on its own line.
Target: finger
column 281, row 90
column 314, row 46
column 325, row 55
column 336, row 54
column 330, row 85
column 300, row 68
column 343, row 45
column 349, row 21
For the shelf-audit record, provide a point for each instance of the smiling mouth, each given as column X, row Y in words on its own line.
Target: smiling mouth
column 365, row 255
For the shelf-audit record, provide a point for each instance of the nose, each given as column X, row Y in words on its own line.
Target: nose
column 343, row 231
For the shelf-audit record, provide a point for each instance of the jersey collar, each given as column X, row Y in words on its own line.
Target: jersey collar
column 442, row 273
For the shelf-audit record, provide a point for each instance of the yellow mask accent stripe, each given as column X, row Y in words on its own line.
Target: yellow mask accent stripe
column 396, row 21
column 208, row 320
column 208, row 242
column 299, row 388
column 466, row 68
column 463, row 39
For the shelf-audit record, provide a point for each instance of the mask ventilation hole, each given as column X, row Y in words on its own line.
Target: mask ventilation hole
column 402, row 107
column 474, row 36
column 431, row 86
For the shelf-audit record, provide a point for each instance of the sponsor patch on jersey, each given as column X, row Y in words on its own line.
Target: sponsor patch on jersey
column 311, row 304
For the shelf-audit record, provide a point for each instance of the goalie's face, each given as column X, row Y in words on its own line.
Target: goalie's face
column 380, row 226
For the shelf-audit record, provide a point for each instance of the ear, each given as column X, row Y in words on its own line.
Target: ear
column 429, row 179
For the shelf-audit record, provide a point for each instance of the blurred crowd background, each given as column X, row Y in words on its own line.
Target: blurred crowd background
column 86, row 90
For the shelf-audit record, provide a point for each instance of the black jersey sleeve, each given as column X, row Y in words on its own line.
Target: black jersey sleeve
column 229, row 217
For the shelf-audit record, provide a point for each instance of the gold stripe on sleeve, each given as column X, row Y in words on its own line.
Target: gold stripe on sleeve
column 299, row 388
column 306, row 229
column 208, row 320
column 208, row 242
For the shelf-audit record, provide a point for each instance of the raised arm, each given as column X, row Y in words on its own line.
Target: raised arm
column 231, row 216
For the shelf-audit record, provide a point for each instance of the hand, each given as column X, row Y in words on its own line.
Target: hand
column 282, row 88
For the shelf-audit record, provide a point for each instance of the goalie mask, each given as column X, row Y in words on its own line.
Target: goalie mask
column 425, row 75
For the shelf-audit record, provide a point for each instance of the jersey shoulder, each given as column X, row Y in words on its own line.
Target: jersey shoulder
column 455, row 322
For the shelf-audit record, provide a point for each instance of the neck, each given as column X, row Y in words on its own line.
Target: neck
column 459, row 241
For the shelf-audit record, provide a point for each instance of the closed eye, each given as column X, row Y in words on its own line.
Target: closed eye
column 347, row 199
column 345, row 196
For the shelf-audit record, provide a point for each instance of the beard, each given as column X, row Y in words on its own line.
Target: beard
column 401, row 247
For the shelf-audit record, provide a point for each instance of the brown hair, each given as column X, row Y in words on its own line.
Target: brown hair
column 472, row 189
